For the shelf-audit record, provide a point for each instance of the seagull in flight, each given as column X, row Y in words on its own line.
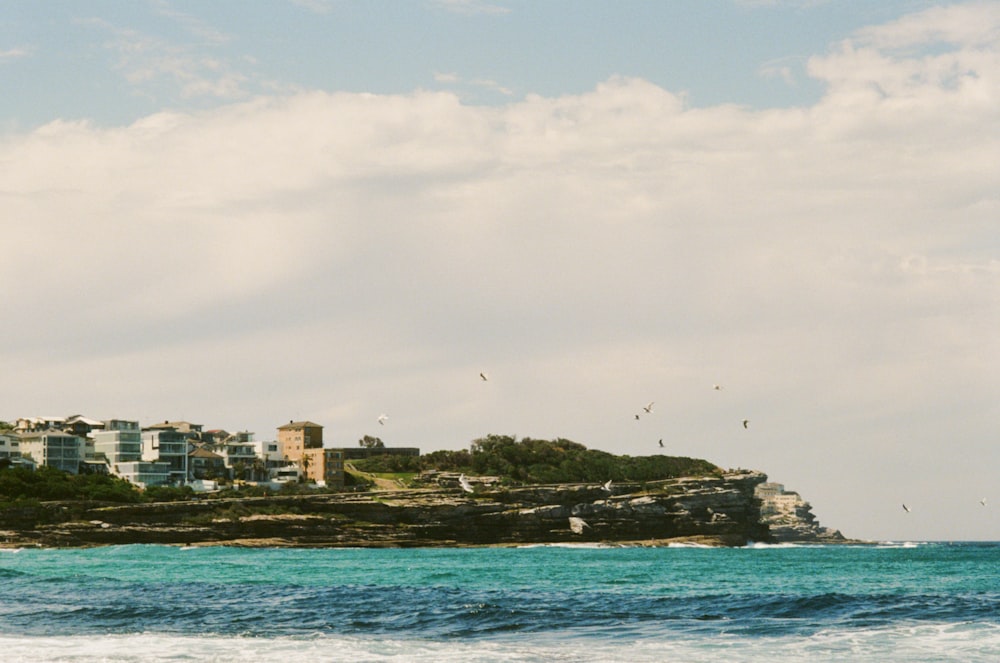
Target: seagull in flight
column 649, row 408
column 661, row 442
column 382, row 418
column 466, row 486
column 637, row 417
column 577, row 524
column 983, row 501
column 483, row 377
column 717, row 387
column 746, row 423
column 607, row 486
column 906, row 508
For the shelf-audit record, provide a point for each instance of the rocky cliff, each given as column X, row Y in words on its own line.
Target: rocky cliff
column 717, row 510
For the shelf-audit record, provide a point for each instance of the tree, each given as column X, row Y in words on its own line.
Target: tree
column 305, row 468
column 370, row 442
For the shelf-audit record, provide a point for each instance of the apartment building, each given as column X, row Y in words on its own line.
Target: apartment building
column 54, row 448
column 120, row 441
column 297, row 436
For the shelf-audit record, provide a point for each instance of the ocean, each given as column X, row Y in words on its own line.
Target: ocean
column 890, row 602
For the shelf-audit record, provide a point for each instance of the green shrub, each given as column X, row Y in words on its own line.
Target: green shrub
column 558, row 461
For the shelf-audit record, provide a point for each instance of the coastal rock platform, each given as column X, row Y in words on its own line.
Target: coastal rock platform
column 716, row 510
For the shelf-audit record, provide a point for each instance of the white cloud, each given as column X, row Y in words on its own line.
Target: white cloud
column 783, row 69
column 333, row 256
column 152, row 64
column 315, row 6
column 13, row 54
column 972, row 25
column 472, row 6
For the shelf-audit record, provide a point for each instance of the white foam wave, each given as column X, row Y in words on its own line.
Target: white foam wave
column 589, row 546
column 902, row 544
column 759, row 545
column 904, row 642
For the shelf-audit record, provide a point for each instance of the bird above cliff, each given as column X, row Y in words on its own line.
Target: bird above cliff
column 464, row 483
column 577, row 524
column 661, row 442
column 483, row 376
column 746, row 423
column 717, row 387
column 906, row 508
column 382, row 418
column 983, row 501
column 648, row 408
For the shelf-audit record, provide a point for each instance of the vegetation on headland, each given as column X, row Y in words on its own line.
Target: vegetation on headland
column 531, row 461
column 512, row 461
column 46, row 484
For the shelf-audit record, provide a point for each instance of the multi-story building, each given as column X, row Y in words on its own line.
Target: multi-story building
column 297, row 436
column 275, row 465
column 205, row 464
column 145, row 473
column 10, row 445
column 182, row 426
column 81, row 426
column 239, row 454
column 120, row 441
column 35, row 424
column 167, row 445
column 54, row 448
column 324, row 466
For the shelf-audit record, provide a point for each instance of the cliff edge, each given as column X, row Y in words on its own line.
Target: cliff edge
column 716, row 510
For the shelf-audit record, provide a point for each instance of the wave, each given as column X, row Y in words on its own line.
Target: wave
column 931, row 641
column 452, row 610
column 904, row 544
column 581, row 545
column 759, row 545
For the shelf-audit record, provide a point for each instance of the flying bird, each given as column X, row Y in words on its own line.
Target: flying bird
column 466, row 486
column 746, row 423
column 983, row 501
column 382, row 418
column 648, row 408
column 717, row 387
column 607, row 486
column 637, row 417
column 483, row 377
column 661, row 442
column 906, row 508
column 577, row 524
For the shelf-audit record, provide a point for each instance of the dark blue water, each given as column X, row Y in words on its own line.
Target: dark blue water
column 923, row 602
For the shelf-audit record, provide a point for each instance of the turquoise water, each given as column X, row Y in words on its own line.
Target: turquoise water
column 909, row 602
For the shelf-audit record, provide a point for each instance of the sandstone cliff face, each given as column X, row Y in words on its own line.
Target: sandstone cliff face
column 721, row 510
column 789, row 518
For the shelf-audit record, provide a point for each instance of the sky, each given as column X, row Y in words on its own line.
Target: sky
column 242, row 214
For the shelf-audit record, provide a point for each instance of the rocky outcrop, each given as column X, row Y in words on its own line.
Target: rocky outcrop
column 719, row 510
column 789, row 518
column 716, row 510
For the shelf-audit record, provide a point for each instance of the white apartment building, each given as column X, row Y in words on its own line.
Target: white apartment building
column 145, row 473
column 54, row 449
column 10, row 446
column 168, row 446
column 119, row 442
column 238, row 449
